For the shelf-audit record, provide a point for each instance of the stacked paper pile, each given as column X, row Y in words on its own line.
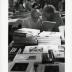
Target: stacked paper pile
column 46, row 48
column 33, row 49
column 28, row 31
column 28, row 58
column 25, row 35
column 49, row 38
column 60, row 53
column 40, row 48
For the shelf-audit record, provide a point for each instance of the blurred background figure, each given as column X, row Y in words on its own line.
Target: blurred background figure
column 21, row 8
column 34, row 4
column 10, row 5
column 15, row 5
column 28, row 6
column 58, row 4
column 41, row 3
column 21, row 5
column 50, row 14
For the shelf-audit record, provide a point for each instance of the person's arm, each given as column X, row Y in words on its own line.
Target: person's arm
column 61, row 26
column 27, row 23
column 40, row 25
column 59, row 20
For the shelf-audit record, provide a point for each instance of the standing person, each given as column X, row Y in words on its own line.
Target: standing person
column 60, row 6
column 20, row 3
column 28, row 6
column 10, row 5
column 50, row 14
column 16, row 4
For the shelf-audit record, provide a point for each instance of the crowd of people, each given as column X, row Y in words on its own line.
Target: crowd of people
column 42, row 10
column 48, row 13
column 29, row 4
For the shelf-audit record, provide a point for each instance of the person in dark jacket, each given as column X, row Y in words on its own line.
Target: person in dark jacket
column 50, row 14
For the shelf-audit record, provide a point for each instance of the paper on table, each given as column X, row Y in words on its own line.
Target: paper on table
column 48, row 33
column 13, row 20
column 49, row 38
column 29, row 31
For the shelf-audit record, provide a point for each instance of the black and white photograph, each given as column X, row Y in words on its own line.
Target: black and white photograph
column 36, row 35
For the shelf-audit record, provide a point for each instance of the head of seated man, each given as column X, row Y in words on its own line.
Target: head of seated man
column 35, row 15
column 33, row 21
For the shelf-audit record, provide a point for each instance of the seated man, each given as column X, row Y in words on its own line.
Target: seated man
column 33, row 21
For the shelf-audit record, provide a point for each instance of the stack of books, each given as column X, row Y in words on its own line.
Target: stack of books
column 33, row 49
column 25, row 36
column 60, row 54
column 49, row 38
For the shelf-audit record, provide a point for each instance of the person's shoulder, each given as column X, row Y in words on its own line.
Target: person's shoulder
column 57, row 13
column 58, row 18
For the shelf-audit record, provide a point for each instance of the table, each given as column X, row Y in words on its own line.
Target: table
column 40, row 48
column 42, row 67
column 25, row 67
column 58, row 51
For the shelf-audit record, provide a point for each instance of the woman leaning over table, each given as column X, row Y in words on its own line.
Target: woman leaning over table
column 50, row 14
